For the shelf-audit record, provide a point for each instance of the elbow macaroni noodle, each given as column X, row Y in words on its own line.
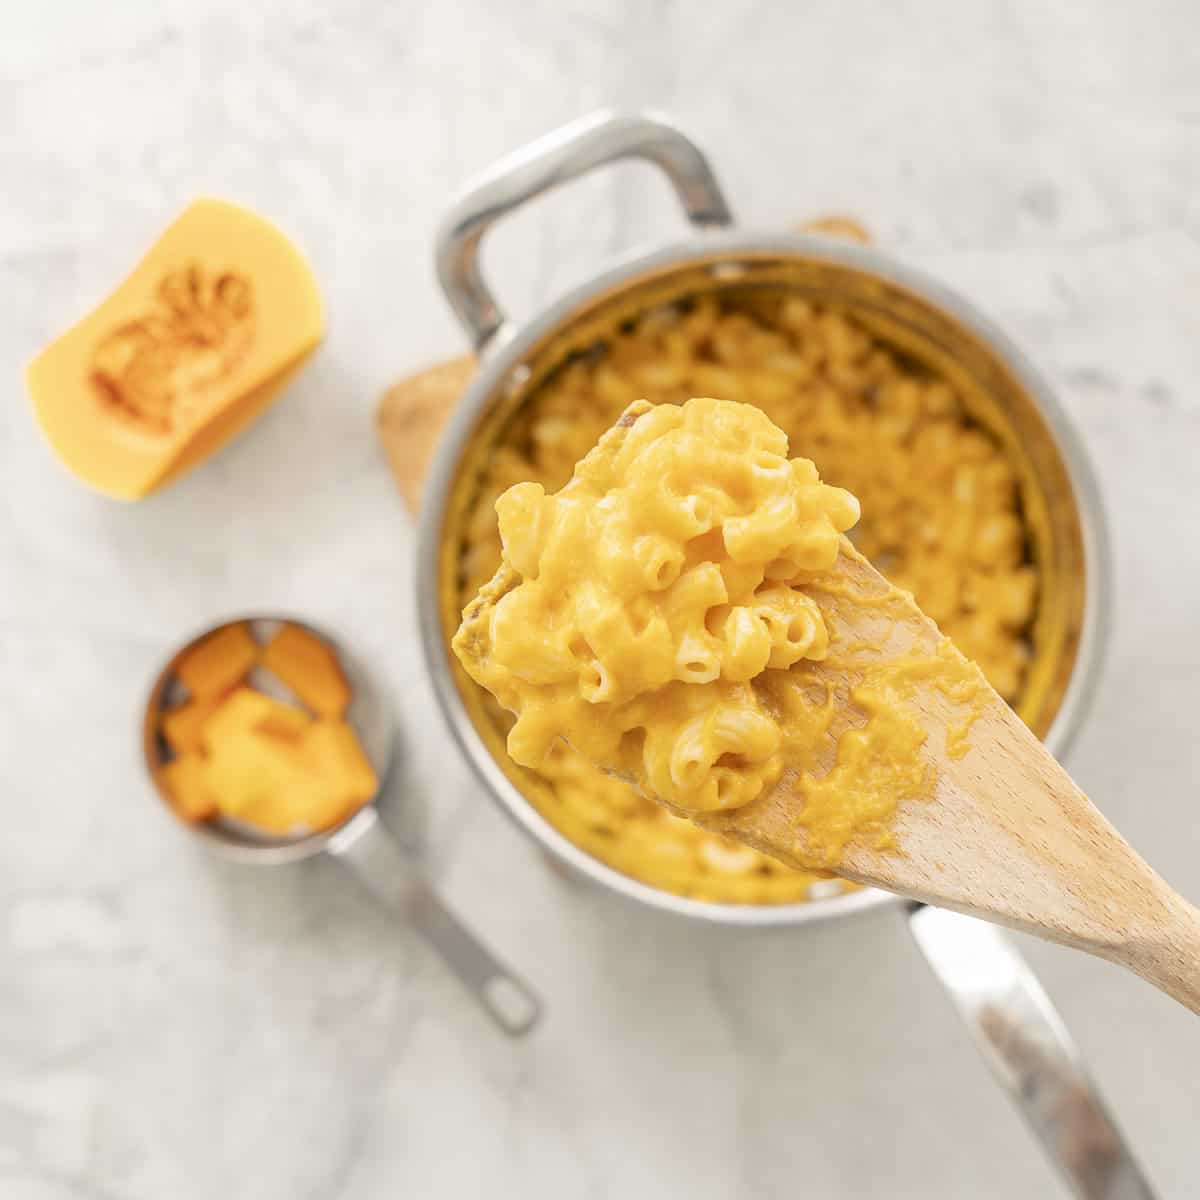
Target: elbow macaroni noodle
column 942, row 519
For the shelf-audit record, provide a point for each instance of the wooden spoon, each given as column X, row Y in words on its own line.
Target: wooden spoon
column 1006, row 836
column 1004, row 833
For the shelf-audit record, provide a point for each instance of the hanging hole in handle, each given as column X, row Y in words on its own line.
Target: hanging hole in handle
column 508, row 1001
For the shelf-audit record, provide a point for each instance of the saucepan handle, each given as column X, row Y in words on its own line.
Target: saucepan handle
column 1024, row 1042
column 564, row 154
column 386, row 871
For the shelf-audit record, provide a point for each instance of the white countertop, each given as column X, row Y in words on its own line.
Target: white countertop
column 175, row 1027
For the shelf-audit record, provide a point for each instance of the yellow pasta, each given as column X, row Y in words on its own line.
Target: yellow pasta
column 705, row 736
column 618, row 651
column 942, row 519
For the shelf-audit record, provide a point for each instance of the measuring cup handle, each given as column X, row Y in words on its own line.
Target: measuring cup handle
column 544, row 164
column 1030, row 1052
column 386, row 871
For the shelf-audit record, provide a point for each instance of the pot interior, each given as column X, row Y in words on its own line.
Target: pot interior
column 997, row 397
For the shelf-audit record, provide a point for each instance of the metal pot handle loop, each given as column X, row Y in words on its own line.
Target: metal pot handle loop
column 603, row 137
column 1030, row 1053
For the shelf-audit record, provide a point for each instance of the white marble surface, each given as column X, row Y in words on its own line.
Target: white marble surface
column 171, row 1026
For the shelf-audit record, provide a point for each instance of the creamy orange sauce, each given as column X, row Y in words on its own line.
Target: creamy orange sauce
column 668, row 613
column 880, row 764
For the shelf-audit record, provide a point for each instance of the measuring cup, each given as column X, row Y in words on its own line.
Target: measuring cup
column 377, row 860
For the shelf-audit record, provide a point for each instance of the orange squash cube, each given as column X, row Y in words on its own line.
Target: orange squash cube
column 267, row 782
column 183, row 724
column 336, row 754
column 258, row 779
column 185, row 781
column 307, row 665
column 217, row 663
column 246, row 711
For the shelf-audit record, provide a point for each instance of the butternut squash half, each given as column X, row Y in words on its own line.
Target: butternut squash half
column 186, row 352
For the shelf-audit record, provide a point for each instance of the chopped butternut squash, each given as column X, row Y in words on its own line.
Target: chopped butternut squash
column 335, row 752
column 248, row 711
column 262, row 780
column 183, row 724
column 217, row 663
column 307, row 665
column 186, row 783
column 245, row 755
column 201, row 336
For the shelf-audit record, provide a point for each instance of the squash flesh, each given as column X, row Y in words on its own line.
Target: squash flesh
column 198, row 339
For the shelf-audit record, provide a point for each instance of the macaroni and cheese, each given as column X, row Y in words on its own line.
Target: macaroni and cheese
column 942, row 518
column 668, row 614
column 637, row 606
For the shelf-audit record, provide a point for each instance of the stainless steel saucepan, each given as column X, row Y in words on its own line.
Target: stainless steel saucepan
column 1004, row 1007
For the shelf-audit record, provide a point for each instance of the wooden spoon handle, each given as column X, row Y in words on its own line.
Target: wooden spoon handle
column 1168, row 956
